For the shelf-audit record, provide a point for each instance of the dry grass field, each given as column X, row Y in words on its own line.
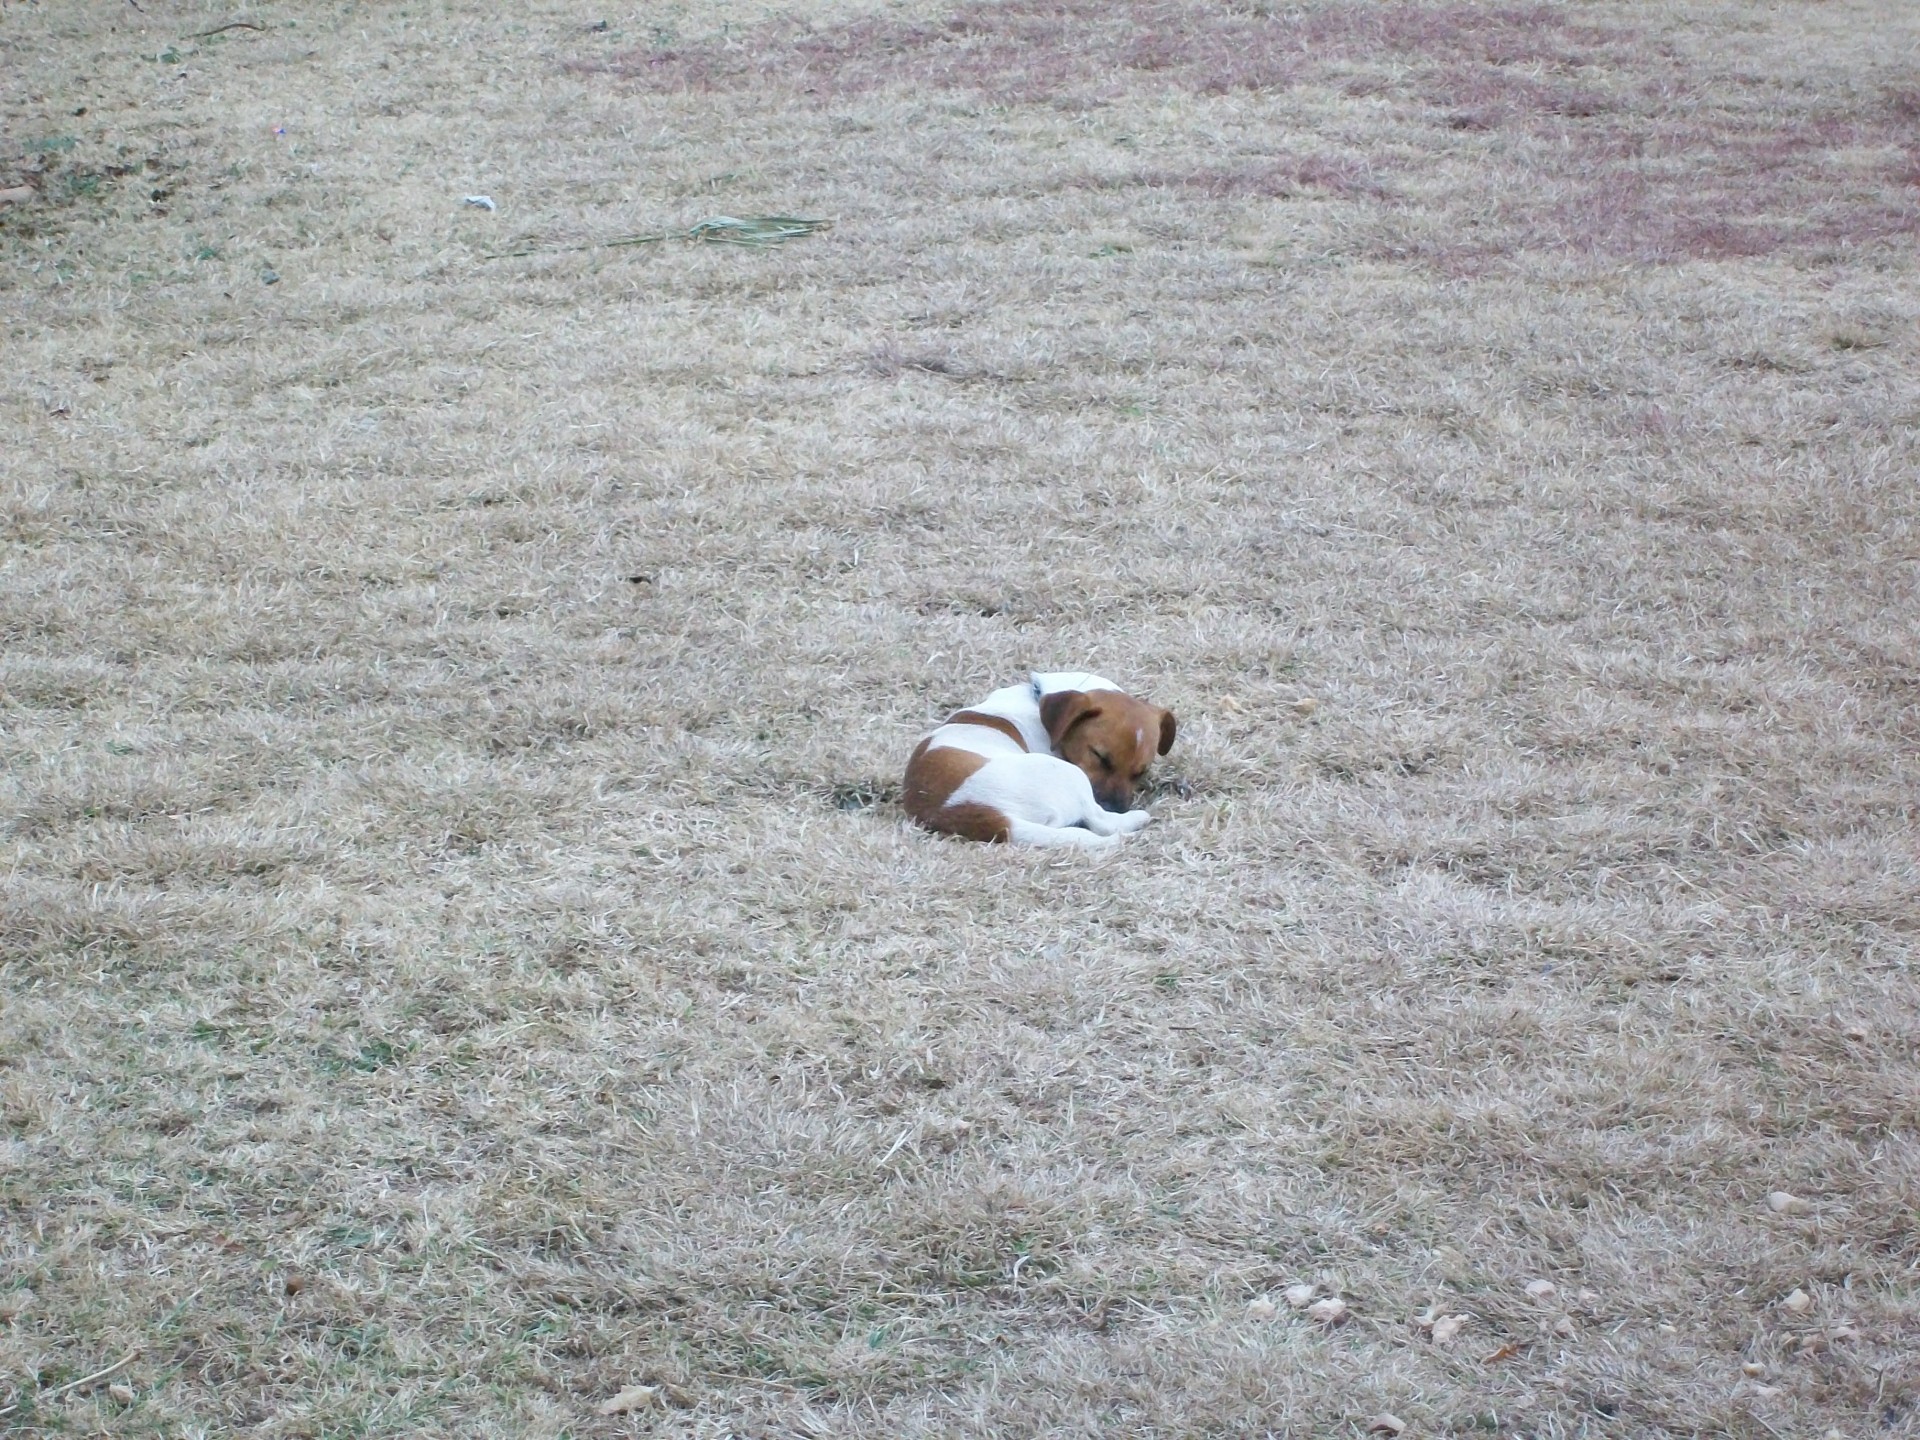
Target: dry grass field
column 460, row 954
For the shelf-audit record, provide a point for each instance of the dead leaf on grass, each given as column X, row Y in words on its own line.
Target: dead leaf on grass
column 1298, row 1296
column 1261, row 1308
column 1447, row 1327
column 1305, row 705
column 1505, row 1352
column 1386, row 1425
column 121, row 1394
column 1783, row 1202
column 634, row 1397
column 1330, row 1311
column 1564, row 1327
column 1541, row 1289
column 1797, row 1303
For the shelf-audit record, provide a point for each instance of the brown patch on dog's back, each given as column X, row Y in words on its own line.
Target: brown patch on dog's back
column 992, row 722
column 932, row 776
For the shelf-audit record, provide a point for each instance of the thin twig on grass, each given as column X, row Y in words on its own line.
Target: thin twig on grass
column 230, row 25
column 82, row 1383
column 756, row 230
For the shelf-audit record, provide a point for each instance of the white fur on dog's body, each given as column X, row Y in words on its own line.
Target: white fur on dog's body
column 1046, row 800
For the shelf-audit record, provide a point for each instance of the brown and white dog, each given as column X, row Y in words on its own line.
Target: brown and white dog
column 1051, row 762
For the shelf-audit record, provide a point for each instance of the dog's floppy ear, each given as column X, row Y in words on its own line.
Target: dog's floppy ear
column 1063, row 710
column 1166, row 731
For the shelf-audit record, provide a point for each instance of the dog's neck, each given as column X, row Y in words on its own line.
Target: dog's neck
column 1054, row 681
column 1020, row 704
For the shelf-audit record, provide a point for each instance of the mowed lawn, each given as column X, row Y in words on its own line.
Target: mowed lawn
column 463, row 968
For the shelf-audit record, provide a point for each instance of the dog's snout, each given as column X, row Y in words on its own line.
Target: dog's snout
column 1119, row 802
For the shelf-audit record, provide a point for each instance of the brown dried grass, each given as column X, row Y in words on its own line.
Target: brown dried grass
column 1611, row 139
column 459, row 955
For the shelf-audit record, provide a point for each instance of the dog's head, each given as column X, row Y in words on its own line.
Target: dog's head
column 1110, row 735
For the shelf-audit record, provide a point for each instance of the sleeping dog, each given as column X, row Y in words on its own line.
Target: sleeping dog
column 1051, row 762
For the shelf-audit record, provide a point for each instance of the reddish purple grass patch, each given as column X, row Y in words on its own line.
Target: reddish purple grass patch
column 1080, row 49
column 1616, row 148
column 1659, row 185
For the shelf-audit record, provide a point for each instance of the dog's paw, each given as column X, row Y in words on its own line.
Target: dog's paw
column 1132, row 821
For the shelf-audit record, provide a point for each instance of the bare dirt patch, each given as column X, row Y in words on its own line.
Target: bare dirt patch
column 462, row 965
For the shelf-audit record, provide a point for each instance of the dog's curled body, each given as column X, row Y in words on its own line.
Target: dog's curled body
column 1050, row 762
